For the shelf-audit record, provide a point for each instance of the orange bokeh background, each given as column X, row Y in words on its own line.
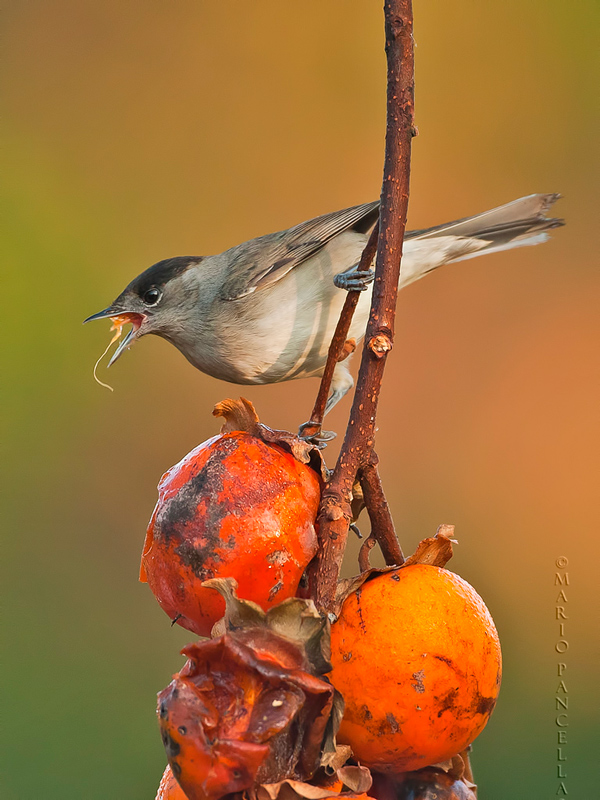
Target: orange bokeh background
column 141, row 130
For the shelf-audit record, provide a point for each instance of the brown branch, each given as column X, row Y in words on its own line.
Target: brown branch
column 363, row 554
column 382, row 524
column 313, row 426
column 358, row 442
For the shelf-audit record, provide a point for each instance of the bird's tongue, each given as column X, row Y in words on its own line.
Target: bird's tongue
column 118, row 323
column 127, row 317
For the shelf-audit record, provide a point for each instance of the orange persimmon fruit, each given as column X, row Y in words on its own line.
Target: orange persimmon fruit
column 416, row 656
column 237, row 506
column 169, row 789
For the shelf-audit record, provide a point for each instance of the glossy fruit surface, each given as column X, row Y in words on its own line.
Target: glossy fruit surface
column 236, row 506
column 169, row 789
column 416, row 656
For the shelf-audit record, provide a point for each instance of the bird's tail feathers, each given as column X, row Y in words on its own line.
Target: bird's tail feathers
column 509, row 221
column 522, row 222
column 519, row 241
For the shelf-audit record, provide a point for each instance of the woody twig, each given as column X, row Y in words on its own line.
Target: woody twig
column 357, row 450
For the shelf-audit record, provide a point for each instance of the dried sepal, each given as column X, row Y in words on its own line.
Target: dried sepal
column 459, row 769
column 240, row 415
column 295, row 619
column 298, row 621
column 334, row 758
column 355, row 778
column 435, row 551
column 296, row 790
column 334, row 755
column 239, row 614
column 292, row 790
column 346, row 783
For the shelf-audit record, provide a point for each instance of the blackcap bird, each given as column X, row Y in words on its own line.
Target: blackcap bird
column 265, row 310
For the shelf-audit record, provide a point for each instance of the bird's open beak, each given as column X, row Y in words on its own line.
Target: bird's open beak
column 108, row 313
column 119, row 319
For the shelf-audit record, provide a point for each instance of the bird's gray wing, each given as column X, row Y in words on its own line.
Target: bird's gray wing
column 261, row 262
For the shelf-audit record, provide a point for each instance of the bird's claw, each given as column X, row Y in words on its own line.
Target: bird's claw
column 313, row 434
column 354, row 281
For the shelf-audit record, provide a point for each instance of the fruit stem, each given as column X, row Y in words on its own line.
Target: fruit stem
column 357, row 449
column 382, row 524
column 363, row 554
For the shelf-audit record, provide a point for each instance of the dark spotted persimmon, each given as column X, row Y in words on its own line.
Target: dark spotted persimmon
column 416, row 656
column 236, row 506
column 169, row 789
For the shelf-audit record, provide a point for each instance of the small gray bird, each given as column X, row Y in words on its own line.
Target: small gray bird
column 265, row 310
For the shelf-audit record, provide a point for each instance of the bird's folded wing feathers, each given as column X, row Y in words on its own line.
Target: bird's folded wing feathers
column 259, row 263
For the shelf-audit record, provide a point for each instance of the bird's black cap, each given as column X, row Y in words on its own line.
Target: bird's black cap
column 162, row 272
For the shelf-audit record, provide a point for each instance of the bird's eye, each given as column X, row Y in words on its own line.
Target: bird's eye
column 152, row 296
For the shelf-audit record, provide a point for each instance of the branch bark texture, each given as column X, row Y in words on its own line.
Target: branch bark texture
column 357, row 448
column 314, row 425
column 382, row 524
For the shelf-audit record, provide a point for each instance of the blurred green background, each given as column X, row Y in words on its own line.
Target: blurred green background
column 134, row 131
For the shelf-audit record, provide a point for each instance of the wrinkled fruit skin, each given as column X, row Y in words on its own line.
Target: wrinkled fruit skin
column 243, row 711
column 430, row 784
column 416, row 656
column 233, row 507
column 169, row 789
